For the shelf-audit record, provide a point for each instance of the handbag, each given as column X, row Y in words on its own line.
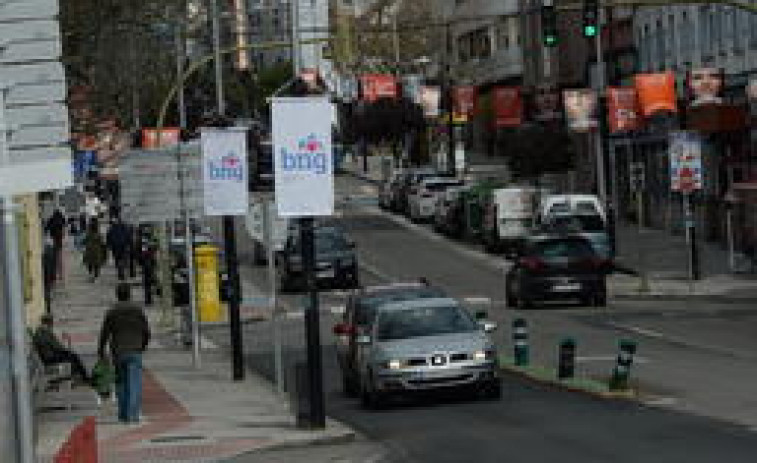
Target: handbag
column 103, row 377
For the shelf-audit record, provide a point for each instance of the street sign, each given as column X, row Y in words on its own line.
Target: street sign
column 37, row 125
column 13, row 11
column 149, row 186
column 685, row 161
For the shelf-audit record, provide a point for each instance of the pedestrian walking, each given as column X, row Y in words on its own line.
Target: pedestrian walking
column 94, row 250
column 52, row 352
column 126, row 331
column 118, row 240
column 56, row 228
column 147, row 262
column 48, row 271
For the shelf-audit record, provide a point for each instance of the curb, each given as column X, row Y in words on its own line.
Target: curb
column 346, row 436
column 657, row 296
column 585, row 386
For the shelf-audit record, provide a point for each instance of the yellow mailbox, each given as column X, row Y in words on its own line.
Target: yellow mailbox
column 208, row 287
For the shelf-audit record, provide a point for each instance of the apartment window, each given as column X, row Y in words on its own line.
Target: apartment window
column 685, row 38
column 735, row 30
column 660, row 45
column 671, row 41
column 716, row 29
column 705, row 28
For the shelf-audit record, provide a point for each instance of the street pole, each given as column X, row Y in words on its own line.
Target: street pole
column 179, row 73
column 449, row 102
column 229, row 233
column 217, row 56
column 601, row 84
column 317, row 415
column 691, row 238
column 14, row 304
column 295, row 16
column 275, row 319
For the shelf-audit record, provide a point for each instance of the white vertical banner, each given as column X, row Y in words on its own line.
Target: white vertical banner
column 303, row 157
column 224, row 171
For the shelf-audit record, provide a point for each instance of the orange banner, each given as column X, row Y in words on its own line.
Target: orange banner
column 168, row 136
column 623, row 109
column 464, row 101
column 508, row 106
column 377, row 86
column 657, row 93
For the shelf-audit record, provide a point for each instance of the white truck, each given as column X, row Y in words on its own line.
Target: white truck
column 255, row 225
column 509, row 217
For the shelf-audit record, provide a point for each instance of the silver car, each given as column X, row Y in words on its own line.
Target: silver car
column 426, row 344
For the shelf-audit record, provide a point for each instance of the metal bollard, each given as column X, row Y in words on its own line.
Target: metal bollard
column 520, row 341
column 622, row 370
column 566, row 367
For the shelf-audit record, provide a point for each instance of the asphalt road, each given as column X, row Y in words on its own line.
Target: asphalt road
column 695, row 369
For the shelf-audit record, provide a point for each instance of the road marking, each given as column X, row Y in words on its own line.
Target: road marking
column 477, row 300
column 662, row 401
column 638, row 330
column 608, row 358
column 374, row 270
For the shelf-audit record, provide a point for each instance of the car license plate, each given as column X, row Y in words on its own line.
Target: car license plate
column 325, row 273
column 566, row 287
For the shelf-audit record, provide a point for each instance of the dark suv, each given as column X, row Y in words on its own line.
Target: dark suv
column 335, row 260
column 557, row 267
column 359, row 314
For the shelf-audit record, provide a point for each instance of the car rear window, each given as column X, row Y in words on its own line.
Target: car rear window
column 591, row 223
column 569, row 248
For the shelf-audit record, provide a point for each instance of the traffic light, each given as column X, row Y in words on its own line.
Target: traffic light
column 591, row 18
column 549, row 25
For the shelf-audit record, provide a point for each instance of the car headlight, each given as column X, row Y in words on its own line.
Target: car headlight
column 483, row 355
column 392, row 364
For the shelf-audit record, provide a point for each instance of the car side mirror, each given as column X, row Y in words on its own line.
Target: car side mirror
column 363, row 340
column 351, row 245
column 488, row 326
column 481, row 315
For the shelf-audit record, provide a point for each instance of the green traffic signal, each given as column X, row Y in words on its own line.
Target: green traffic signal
column 550, row 40
column 590, row 30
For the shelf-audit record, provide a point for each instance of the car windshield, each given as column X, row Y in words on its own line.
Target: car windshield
column 572, row 249
column 366, row 307
column 424, row 321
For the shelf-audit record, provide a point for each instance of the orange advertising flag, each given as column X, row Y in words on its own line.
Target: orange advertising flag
column 508, row 106
column 657, row 92
column 623, row 109
column 464, row 101
column 377, row 86
column 169, row 136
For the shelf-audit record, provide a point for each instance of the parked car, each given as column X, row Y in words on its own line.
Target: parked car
column 589, row 226
column 358, row 317
column 557, row 267
column 409, row 184
column 443, row 207
column 423, row 200
column 335, row 260
column 423, row 345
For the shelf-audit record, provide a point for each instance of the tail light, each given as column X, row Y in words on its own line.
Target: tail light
column 532, row 263
column 344, row 329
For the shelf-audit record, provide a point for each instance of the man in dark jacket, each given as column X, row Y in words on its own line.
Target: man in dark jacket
column 52, row 352
column 118, row 240
column 126, row 330
column 56, row 227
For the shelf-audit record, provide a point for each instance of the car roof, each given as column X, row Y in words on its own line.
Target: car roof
column 377, row 289
column 419, row 304
column 542, row 237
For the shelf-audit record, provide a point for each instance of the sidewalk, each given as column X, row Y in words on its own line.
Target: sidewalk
column 661, row 255
column 664, row 258
column 188, row 415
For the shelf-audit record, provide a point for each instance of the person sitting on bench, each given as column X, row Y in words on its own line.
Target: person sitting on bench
column 52, row 352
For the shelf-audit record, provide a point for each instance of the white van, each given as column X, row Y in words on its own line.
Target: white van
column 509, row 215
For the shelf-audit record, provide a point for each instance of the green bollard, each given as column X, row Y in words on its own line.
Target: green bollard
column 566, row 367
column 520, row 341
column 622, row 370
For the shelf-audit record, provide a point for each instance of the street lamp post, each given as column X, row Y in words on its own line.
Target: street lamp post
column 229, row 233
